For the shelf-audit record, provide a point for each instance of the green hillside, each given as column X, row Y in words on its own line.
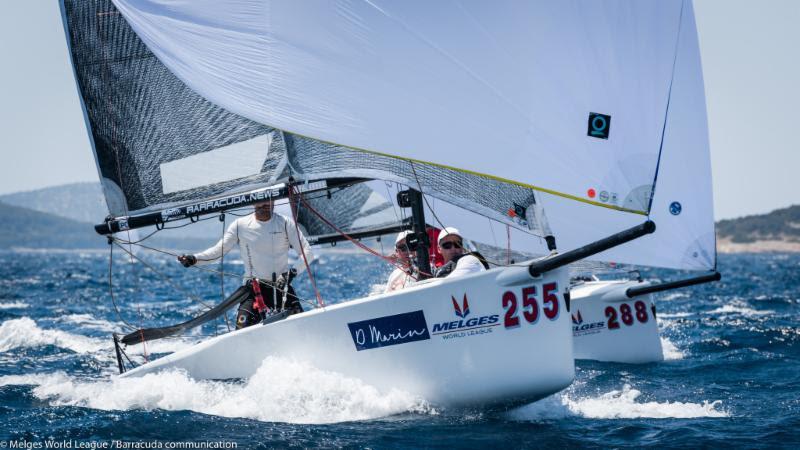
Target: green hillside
column 779, row 225
column 21, row 227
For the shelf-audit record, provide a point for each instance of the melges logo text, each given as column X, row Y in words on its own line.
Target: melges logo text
column 579, row 328
column 464, row 325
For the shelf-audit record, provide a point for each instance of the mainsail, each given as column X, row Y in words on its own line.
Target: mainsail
column 497, row 108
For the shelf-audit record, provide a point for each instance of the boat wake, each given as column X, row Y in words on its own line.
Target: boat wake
column 617, row 404
column 281, row 391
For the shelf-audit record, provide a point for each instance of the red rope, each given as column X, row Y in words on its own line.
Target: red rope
column 358, row 243
column 302, row 250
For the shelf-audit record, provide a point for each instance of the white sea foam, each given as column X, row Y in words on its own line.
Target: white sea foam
column 281, row 390
column 617, row 404
column 89, row 321
column 676, row 315
column 740, row 308
column 24, row 333
column 14, row 305
column 674, row 295
column 670, row 351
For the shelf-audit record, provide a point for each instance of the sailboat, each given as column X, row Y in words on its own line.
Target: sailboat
column 504, row 110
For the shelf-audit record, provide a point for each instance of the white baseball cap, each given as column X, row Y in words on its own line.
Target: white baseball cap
column 402, row 235
column 447, row 232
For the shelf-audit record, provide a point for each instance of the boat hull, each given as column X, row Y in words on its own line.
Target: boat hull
column 464, row 341
column 609, row 326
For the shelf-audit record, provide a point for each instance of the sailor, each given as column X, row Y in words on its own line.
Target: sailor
column 401, row 276
column 457, row 262
column 264, row 239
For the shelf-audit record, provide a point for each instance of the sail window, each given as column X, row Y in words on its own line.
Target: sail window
column 231, row 162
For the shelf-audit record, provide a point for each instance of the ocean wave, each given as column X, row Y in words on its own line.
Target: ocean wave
column 14, row 305
column 25, row 333
column 89, row 321
column 740, row 308
column 617, row 404
column 670, row 351
column 280, row 391
column 676, row 315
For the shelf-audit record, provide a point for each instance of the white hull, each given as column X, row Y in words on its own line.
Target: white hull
column 425, row 348
column 609, row 326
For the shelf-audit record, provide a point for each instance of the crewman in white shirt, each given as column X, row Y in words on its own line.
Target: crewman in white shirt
column 264, row 239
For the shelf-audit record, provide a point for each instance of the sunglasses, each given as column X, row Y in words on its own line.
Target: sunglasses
column 449, row 245
column 402, row 248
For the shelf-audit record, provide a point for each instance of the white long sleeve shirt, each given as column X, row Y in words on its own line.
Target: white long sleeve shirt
column 398, row 279
column 466, row 265
column 264, row 246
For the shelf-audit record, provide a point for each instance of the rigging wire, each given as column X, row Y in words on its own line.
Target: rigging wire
column 164, row 277
column 222, row 268
column 508, row 244
column 424, row 197
column 356, row 242
column 293, row 208
column 204, row 269
column 111, row 288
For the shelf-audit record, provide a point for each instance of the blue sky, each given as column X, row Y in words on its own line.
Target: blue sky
column 751, row 65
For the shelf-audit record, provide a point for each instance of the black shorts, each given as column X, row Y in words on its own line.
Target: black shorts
column 247, row 314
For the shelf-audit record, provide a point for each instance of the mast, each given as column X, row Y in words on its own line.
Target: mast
column 412, row 198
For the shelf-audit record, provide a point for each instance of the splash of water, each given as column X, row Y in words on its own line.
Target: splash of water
column 617, row 404
column 670, row 350
column 25, row 333
column 281, row 391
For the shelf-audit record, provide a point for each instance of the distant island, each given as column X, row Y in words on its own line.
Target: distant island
column 63, row 217
column 778, row 231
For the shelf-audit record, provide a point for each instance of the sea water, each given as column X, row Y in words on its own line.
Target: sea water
column 731, row 374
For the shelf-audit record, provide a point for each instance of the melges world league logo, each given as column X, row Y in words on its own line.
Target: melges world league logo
column 461, row 310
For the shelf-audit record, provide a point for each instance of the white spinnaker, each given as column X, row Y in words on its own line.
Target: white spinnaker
column 501, row 88
column 682, row 241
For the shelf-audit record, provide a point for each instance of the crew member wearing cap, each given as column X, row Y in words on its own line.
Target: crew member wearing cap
column 264, row 239
column 401, row 276
column 456, row 262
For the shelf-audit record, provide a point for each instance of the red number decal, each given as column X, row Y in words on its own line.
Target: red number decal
column 611, row 315
column 510, row 303
column 530, row 309
column 550, row 298
column 641, row 311
column 625, row 314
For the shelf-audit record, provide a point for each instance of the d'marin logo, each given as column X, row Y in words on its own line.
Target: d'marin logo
column 462, row 311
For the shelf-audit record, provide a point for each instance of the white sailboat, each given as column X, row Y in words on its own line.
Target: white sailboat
column 502, row 109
